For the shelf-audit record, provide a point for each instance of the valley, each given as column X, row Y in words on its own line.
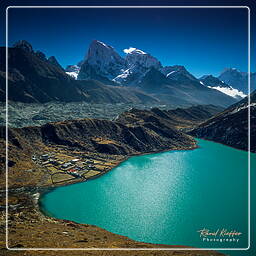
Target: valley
column 74, row 125
column 42, row 157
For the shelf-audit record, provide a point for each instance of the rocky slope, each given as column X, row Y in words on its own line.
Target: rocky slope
column 103, row 136
column 33, row 79
column 230, row 127
column 177, row 118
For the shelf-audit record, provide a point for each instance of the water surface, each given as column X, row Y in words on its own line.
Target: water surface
column 164, row 198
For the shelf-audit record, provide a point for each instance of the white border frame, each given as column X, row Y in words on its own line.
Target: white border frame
column 249, row 126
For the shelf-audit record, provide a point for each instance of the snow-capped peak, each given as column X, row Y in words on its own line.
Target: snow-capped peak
column 133, row 50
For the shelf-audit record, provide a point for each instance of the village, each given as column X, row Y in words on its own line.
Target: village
column 63, row 166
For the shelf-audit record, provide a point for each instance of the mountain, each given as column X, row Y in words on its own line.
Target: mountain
column 176, row 118
column 187, row 92
column 97, row 92
column 137, row 77
column 137, row 64
column 170, row 84
column 230, row 127
column 24, row 45
column 178, row 73
column 101, row 63
column 102, row 136
column 34, row 78
column 215, row 83
column 237, row 79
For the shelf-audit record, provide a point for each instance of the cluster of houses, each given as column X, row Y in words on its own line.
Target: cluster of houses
column 74, row 167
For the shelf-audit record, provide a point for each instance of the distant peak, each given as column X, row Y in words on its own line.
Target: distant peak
column 23, row 44
column 133, row 50
column 229, row 70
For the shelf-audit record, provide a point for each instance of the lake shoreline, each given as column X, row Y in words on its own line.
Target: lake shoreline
column 115, row 179
column 34, row 194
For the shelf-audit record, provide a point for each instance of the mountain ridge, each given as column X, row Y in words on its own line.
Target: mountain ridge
column 230, row 127
column 39, row 79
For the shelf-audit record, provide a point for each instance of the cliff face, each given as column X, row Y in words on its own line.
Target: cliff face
column 230, row 127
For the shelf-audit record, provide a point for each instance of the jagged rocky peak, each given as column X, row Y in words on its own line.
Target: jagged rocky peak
column 136, row 57
column 101, row 62
column 101, row 54
column 23, row 44
column 54, row 61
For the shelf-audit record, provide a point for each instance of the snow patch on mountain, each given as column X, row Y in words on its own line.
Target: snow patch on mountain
column 171, row 73
column 133, row 50
column 230, row 91
column 72, row 74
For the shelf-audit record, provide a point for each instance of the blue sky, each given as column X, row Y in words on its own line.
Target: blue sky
column 205, row 41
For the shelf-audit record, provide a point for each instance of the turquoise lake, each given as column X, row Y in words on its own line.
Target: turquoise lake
column 164, row 198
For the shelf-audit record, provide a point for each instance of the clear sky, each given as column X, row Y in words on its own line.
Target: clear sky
column 205, row 41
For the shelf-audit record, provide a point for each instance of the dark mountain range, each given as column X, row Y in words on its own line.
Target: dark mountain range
column 32, row 79
column 103, row 76
column 35, row 79
column 238, row 79
column 171, row 84
column 185, row 92
column 230, row 127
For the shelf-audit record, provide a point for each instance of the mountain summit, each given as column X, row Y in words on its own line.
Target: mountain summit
column 102, row 63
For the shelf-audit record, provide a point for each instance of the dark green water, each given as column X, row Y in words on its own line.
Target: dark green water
column 164, row 198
